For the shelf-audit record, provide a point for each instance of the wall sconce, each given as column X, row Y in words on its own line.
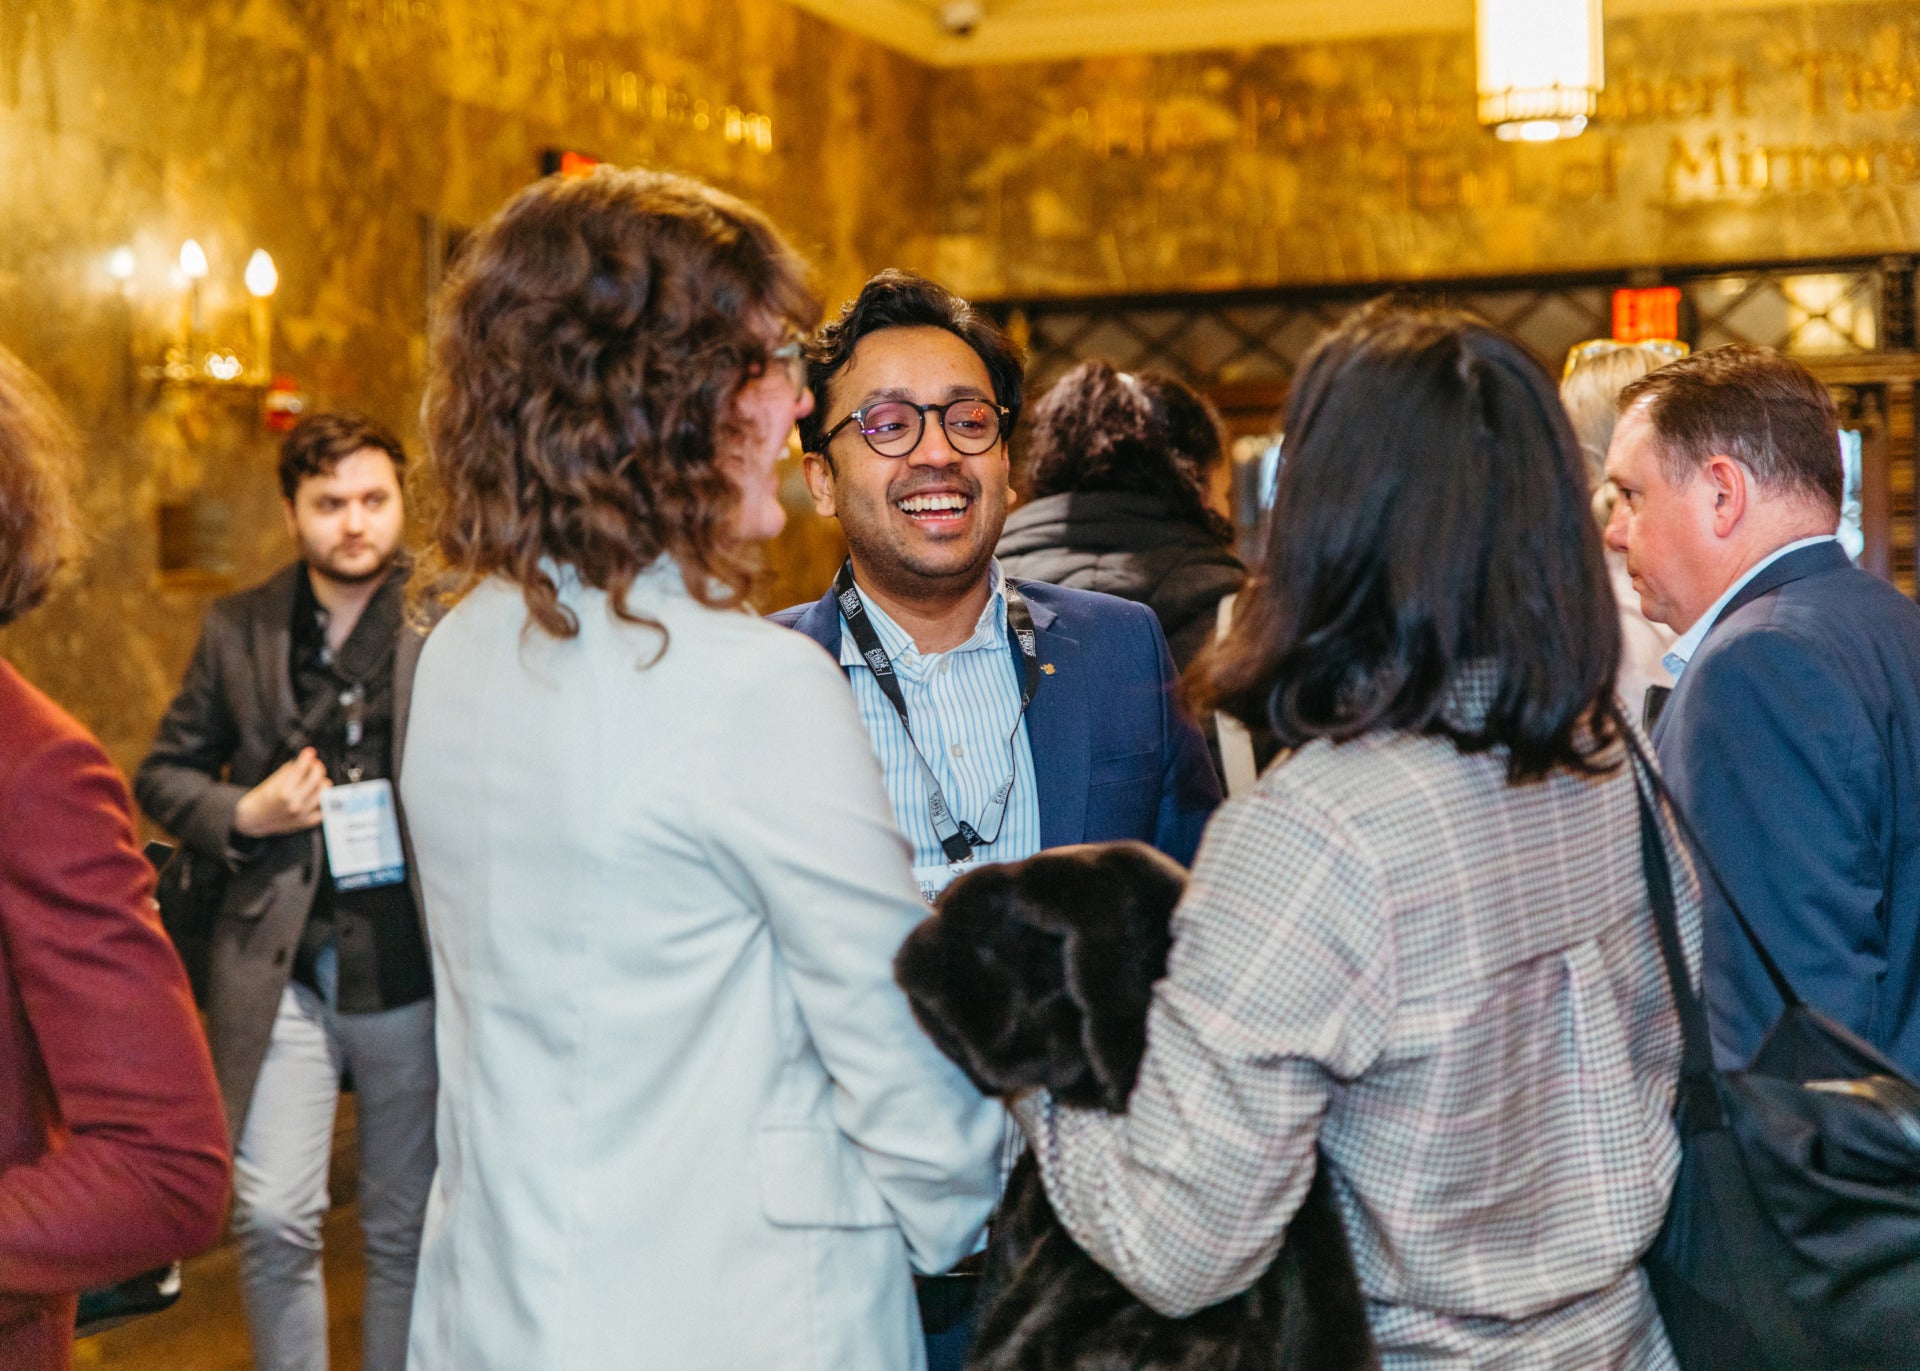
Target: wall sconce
column 197, row 351
column 1542, row 66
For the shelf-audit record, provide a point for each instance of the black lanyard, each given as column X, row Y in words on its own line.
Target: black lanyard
column 958, row 838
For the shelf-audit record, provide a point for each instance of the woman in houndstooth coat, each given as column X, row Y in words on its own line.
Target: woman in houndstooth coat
column 1420, row 952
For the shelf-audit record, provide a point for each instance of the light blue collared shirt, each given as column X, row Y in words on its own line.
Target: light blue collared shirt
column 963, row 703
column 1689, row 642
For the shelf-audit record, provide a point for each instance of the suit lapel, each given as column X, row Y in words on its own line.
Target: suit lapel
column 821, row 622
column 273, row 651
column 1057, row 732
column 406, row 656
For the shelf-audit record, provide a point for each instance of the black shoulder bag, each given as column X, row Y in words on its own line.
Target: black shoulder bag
column 1793, row 1237
column 112, row 1305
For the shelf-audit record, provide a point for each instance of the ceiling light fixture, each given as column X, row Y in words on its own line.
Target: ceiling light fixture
column 961, row 17
column 1541, row 66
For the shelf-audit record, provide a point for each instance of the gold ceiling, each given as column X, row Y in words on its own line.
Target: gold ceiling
column 951, row 33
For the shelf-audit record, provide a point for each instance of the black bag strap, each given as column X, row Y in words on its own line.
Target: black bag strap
column 1743, row 1232
column 1744, row 1237
column 1781, row 985
column 308, row 724
column 1699, row 1101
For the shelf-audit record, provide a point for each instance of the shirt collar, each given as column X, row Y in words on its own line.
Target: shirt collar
column 990, row 631
column 1689, row 642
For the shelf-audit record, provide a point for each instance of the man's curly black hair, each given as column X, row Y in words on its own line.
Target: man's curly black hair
column 900, row 299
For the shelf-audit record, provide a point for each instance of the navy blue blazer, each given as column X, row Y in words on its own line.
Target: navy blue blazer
column 1793, row 742
column 1113, row 754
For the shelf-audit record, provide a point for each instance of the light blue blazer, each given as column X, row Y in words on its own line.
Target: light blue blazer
column 686, row 1118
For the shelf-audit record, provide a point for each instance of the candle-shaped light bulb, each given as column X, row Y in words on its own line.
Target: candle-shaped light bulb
column 193, row 268
column 262, row 278
column 120, row 264
column 262, row 281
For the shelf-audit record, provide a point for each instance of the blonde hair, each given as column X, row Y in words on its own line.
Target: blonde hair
column 38, row 534
column 1590, row 393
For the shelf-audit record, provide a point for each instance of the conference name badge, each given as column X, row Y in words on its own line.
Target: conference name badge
column 361, row 826
column 937, row 877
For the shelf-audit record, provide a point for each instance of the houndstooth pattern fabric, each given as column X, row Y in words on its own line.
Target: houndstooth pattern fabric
column 1450, row 986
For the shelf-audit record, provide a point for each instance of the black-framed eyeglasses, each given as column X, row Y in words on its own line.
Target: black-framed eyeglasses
column 893, row 428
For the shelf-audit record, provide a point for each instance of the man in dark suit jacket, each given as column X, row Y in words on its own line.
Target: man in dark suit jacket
column 1792, row 736
column 907, row 447
column 317, row 964
column 1007, row 716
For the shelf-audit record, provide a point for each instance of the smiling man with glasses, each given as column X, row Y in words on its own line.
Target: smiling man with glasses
column 1008, row 716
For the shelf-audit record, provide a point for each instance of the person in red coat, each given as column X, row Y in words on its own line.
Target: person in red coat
column 113, row 1147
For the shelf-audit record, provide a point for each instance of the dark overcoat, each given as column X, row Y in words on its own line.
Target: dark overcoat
column 224, row 733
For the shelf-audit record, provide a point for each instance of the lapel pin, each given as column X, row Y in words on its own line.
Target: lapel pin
column 1047, row 667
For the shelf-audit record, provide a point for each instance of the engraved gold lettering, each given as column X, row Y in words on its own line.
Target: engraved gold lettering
column 1814, row 67
column 1680, row 163
column 1792, row 156
column 1709, row 95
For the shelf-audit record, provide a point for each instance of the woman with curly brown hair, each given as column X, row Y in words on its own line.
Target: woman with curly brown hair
column 113, row 1148
column 686, row 1119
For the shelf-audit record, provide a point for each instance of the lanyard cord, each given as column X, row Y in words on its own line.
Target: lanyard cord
column 958, row 838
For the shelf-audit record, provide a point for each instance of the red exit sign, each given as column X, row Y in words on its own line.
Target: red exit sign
column 1651, row 312
column 566, row 162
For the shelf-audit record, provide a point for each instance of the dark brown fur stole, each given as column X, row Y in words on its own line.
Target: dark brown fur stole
column 1039, row 973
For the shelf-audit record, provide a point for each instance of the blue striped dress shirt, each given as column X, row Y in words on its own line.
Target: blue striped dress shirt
column 963, row 703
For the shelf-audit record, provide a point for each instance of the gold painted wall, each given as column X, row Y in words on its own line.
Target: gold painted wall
column 347, row 137
column 1732, row 136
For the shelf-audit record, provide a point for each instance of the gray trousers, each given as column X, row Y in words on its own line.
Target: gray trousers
column 280, row 1175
